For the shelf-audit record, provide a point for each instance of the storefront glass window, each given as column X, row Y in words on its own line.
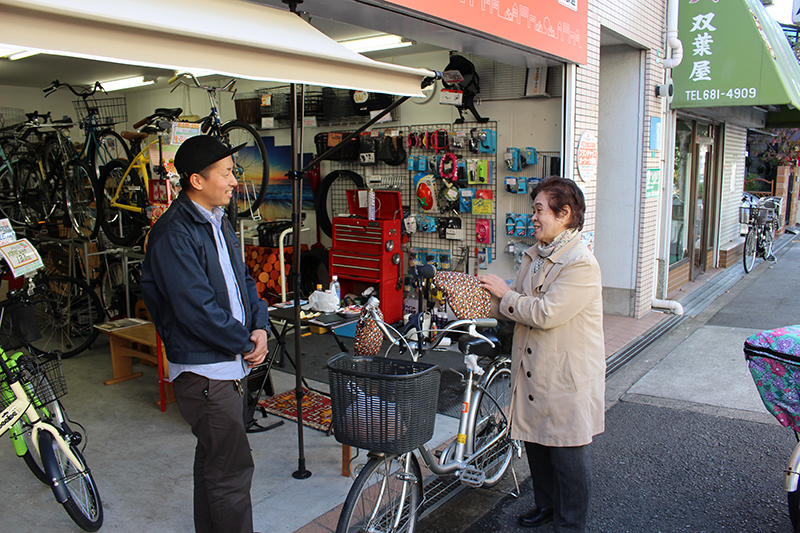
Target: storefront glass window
column 679, row 229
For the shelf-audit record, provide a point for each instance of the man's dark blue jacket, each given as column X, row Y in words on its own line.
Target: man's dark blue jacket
column 185, row 291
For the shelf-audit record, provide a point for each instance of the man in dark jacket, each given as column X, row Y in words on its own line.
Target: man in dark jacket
column 214, row 327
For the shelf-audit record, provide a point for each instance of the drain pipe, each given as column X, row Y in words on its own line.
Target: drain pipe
column 672, row 36
column 672, row 305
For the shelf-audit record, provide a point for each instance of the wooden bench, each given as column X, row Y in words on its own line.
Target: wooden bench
column 142, row 343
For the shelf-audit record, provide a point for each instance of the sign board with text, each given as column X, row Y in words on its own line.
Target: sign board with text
column 587, row 156
column 734, row 55
column 557, row 27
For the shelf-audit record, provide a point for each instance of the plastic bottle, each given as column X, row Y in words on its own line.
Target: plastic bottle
column 336, row 289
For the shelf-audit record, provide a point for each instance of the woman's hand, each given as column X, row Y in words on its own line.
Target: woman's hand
column 494, row 284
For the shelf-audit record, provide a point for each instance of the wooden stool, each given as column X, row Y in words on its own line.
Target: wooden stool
column 122, row 354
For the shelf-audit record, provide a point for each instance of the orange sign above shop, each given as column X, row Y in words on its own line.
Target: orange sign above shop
column 557, row 27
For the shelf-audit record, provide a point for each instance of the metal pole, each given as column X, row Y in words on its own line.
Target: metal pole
column 297, row 196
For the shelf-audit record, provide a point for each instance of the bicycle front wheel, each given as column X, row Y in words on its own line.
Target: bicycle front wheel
column 384, row 497
column 110, row 146
column 66, row 312
column 79, row 194
column 83, row 504
column 750, row 249
column 121, row 226
column 490, row 422
column 768, row 240
column 250, row 164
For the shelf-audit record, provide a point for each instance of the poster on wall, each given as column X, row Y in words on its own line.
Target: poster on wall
column 652, row 187
column 278, row 200
column 587, row 156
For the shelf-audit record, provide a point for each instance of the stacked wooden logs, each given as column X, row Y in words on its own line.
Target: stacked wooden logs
column 265, row 267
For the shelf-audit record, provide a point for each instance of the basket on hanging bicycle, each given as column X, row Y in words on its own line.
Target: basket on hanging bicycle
column 10, row 117
column 383, row 405
column 104, row 111
column 773, row 358
column 42, row 375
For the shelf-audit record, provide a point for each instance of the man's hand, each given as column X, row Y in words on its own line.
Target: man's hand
column 259, row 352
column 494, row 284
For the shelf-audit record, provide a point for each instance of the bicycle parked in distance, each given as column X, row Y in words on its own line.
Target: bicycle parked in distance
column 250, row 164
column 762, row 220
column 29, row 390
column 96, row 118
column 124, row 188
column 387, row 406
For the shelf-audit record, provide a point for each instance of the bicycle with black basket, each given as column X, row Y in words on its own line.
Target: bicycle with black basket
column 388, row 406
column 39, row 428
column 762, row 221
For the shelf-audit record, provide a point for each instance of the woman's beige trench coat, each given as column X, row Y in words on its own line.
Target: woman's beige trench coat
column 558, row 359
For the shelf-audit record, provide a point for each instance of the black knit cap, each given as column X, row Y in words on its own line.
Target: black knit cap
column 199, row 152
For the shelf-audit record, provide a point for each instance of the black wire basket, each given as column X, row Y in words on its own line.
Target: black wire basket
column 42, row 377
column 383, row 405
column 103, row 111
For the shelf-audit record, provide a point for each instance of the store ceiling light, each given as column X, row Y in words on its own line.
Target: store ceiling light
column 22, row 54
column 378, row 42
column 126, row 83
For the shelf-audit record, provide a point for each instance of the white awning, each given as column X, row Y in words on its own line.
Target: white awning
column 227, row 37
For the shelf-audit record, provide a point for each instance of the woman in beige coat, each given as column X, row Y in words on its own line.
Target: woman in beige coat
column 558, row 358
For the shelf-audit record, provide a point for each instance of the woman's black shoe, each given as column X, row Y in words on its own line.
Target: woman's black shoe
column 537, row 517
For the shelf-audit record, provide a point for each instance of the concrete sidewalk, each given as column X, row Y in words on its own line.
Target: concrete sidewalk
column 692, row 382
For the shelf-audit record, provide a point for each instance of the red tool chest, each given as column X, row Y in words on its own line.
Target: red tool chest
column 366, row 253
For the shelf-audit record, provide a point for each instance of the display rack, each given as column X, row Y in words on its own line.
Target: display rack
column 521, row 202
column 384, row 177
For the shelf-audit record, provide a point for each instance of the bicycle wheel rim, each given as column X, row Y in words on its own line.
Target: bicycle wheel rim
column 79, row 194
column 110, row 146
column 84, row 505
column 750, row 249
column 121, row 226
column 489, row 423
column 31, row 199
column 377, row 497
column 251, row 166
column 66, row 313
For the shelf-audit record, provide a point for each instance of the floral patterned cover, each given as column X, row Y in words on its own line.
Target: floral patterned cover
column 773, row 357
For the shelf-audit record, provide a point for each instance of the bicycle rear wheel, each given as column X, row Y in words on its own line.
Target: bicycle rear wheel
column 110, row 146
column 79, row 195
column 251, row 165
column 489, row 422
column 768, row 240
column 382, row 496
column 66, row 311
column 83, row 504
column 750, row 249
column 121, row 226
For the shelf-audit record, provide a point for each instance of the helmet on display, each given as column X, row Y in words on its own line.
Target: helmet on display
column 470, row 85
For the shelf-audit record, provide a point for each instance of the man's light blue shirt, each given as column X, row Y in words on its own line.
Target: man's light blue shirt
column 226, row 370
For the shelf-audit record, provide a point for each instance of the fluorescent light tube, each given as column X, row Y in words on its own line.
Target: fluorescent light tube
column 378, row 42
column 126, row 83
column 23, row 54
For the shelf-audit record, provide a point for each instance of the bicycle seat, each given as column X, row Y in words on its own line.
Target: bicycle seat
column 480, row 347
column 173, row 113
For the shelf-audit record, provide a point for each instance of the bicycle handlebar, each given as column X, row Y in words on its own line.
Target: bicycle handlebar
column 228, row 87
column 56, row 85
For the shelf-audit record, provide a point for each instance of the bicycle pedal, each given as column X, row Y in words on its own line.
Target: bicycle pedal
column 472, row 476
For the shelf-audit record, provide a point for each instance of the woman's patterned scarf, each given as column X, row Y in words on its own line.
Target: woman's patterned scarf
column 559, row 242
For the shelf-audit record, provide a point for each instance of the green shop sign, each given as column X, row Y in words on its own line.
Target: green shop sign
column 734, row 54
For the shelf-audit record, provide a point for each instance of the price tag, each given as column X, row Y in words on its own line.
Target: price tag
column 452, row 76
column 21, row 257
column 450, row 97
column 385, row 118
column 182, row 131
column 267, row 122
column 310, row 122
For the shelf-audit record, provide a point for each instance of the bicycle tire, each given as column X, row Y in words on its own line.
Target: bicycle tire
column 32, row 460
column 22, row 197
column 80, row 186
column 251, row 164
column 489, row 422
column 110, row 146
column 750, row 250
column 378, row 485
column 794, row 509
column 768, row 241
column 83, row 505
column 66, row 312
column 112, row 288
column 321, row 197
column 122, row 227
